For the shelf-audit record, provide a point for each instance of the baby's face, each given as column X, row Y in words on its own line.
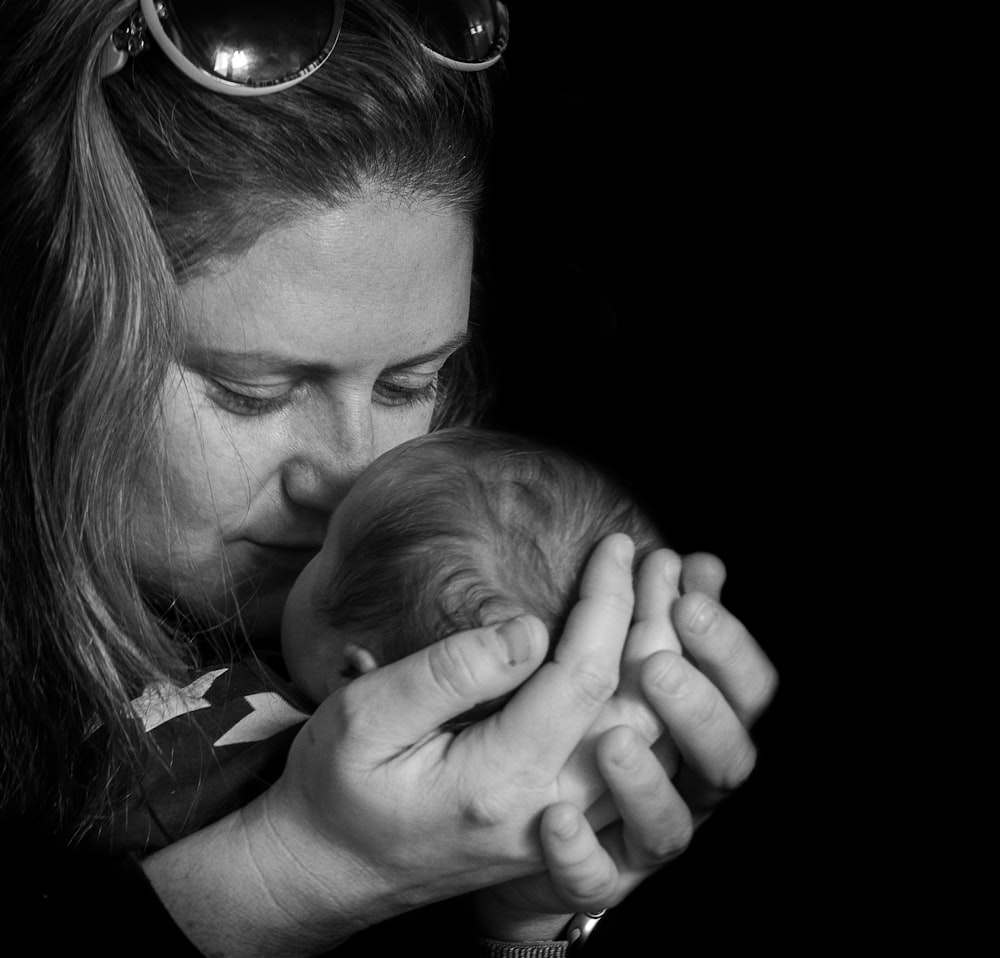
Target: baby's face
column 319, row 656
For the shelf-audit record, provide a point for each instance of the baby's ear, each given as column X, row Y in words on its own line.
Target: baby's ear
column 359, row 658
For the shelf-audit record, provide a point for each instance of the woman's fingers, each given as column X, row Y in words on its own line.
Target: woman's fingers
column 583, row 873
column 656, row 821
column 703, row 572
column 714, row 744
column 579, row 876
column 417, row 694
column 592, row 872
column 726, row 652
column 657, row 588
column 540, row 727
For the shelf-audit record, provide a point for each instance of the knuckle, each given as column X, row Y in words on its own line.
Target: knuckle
column 619, row 603
column 594, row 685
column 451, row 670
column 484, row 812
column 644, row 723
column 614, row 603
column 706, row 712
column 593, row 891
column 648, row 794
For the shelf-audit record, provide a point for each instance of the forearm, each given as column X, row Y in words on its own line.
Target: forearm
column 222, row 888
column 237, row 888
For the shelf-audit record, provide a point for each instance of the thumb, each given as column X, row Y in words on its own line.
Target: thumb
column 417, row 694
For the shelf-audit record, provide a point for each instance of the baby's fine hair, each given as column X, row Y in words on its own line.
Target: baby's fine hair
column 467, row 527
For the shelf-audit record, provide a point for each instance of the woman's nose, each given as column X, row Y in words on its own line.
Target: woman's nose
column 328, row 460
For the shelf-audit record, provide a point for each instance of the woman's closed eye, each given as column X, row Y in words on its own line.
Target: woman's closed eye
column 394, row 388
column 243, row 399
column 406, row 391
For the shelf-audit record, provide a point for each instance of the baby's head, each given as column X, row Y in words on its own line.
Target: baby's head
column 454, row 530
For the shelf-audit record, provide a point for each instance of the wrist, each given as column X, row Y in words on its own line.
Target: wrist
column 248, row 886
column 567, row 943
column 529, row 928
column 500, row 918
column 324, row 892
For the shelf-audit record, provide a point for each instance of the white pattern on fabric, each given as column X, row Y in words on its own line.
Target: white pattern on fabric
column 271, row 714
column 162, row 701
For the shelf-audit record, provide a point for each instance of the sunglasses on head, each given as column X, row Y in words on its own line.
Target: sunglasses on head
column 254, row 47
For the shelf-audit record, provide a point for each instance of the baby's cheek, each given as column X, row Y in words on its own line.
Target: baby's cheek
column 337, row 680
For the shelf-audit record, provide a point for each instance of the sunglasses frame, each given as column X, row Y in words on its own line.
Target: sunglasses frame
column 473, row 65
column 131, row 39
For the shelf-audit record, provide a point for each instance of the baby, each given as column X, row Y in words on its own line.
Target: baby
column 454, row 530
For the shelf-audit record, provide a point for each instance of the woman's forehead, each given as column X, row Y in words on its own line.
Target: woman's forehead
column 388, row 277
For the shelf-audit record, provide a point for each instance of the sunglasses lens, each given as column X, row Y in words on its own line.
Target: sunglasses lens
column 253, row 42
column 469, row 31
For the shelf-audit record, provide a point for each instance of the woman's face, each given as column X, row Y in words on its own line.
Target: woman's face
column 303, row 360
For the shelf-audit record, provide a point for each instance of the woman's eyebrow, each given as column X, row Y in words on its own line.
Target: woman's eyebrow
column 449, row 346
column 241, row 360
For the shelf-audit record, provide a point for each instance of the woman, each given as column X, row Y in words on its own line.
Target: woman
column 218, row 309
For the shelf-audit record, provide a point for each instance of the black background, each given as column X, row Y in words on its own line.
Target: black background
column 668, row 286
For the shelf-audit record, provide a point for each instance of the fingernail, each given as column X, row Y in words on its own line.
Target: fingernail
column 673, row 678
column 624, row 550
column 516, row 636
column 704, row 618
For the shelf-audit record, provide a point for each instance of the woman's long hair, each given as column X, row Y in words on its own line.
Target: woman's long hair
column 110, row 194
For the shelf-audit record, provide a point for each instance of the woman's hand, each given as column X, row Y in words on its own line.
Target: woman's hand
column 378, row 811
column 723, row 685
column 707, row 705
